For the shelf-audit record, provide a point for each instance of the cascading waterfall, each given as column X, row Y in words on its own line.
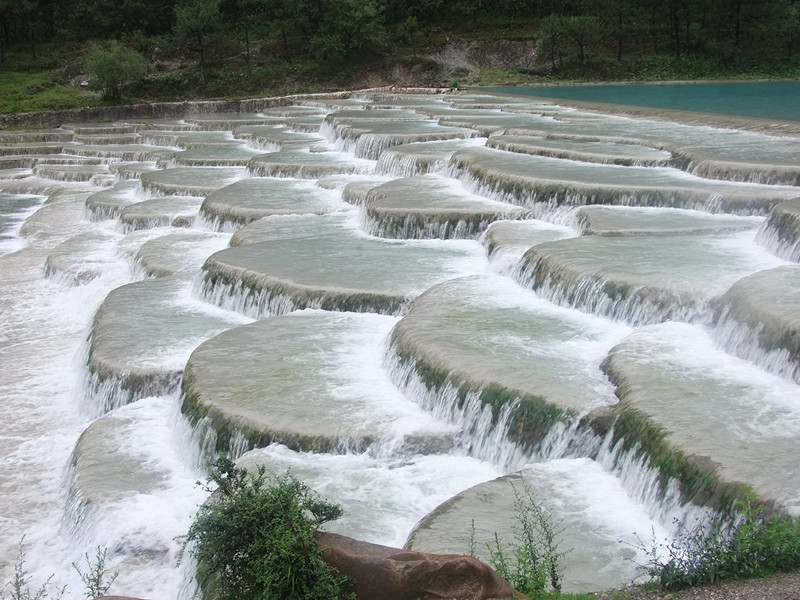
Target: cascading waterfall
column 97, row 449
column 485, row 436
column 741, row 339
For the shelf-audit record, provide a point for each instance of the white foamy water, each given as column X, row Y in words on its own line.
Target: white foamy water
column 13, row 212
column 42, row 352
column 142, row 528
column 382, row 497
column 72, row 480
column 44, row 326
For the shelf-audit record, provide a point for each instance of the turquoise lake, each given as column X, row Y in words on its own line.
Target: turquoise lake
column 761, row 99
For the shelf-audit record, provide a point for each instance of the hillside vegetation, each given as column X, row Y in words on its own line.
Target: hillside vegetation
column 245, row 48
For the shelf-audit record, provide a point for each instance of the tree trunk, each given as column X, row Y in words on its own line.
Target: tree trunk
column 675, row 27
column 32, row 40
column 285, row 42
column 247, row 46
column 202, row 58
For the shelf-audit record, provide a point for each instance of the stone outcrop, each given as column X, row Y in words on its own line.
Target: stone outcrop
column 385, row 573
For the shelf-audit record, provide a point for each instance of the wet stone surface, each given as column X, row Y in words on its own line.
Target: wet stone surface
column 620, row 273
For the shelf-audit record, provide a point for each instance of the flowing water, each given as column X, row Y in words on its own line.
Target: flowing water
column 336, row 288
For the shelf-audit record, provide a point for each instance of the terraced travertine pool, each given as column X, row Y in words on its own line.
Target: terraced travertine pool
column 411, row 301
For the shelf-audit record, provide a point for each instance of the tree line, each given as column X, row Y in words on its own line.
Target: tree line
column 729, row 31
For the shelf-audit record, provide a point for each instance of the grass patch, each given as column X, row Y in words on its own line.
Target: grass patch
column 37, row 92
column 488, row 77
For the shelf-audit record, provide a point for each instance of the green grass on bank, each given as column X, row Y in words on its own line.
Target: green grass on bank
column 38, row 91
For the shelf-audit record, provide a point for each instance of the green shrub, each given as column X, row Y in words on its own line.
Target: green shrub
column 95, row 579
column 112, row 68
column 534, row 567
column 254, row 539
column 753, row 545
column 19, row 587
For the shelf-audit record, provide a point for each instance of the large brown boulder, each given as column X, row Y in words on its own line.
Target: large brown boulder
column 384, row 573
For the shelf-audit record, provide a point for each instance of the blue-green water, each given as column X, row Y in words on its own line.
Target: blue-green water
column 762, row 99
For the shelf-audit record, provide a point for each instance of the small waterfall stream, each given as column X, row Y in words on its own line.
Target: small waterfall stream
column 473, row 317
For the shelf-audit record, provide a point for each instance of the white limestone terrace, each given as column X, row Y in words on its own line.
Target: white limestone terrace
column 270, row 138
column 601, row 152
column 229, row 155
column 101, row 473
column 36, row 136
column 130, row 152
column 130, row 170
column 368, row 138
column 302, row 124
column 382, row 495
column 712, row 405
column 354, row 190
column 466, row 376
column 204, row 139
column 25, row 148
column 675, row 276
column 525, row 179
column 253, row 198
column 483, row 122
column 326, row 263
column 76, row 260
column 366, row 114
column 283, row 380
column 109, row 203
column 224, row 121
column 79, row 173
column 141, row 337
column 190, row 181
column 486, row 330
column 292, row 111
column 758, row 320
column 507, row 241
column 575, row 492
column 140, row 495
column 630, row 220
column 172, row 253
column 781, row 231
column 431, row 207
column 28, row 161
column 407, row 101
column 161, row 211
column 421, row 158
column 307, row 164
column 713, row 152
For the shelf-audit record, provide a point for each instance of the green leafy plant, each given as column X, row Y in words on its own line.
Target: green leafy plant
column 533, row 565
column 19, row 587
column 95, row 580
column 112, row 68
column 254, row 538
column 752, row 545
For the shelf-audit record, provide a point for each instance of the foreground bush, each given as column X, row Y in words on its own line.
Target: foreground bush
column 755, row 545
column 254, row 539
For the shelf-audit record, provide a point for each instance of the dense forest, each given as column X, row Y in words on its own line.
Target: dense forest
column 299, row 43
